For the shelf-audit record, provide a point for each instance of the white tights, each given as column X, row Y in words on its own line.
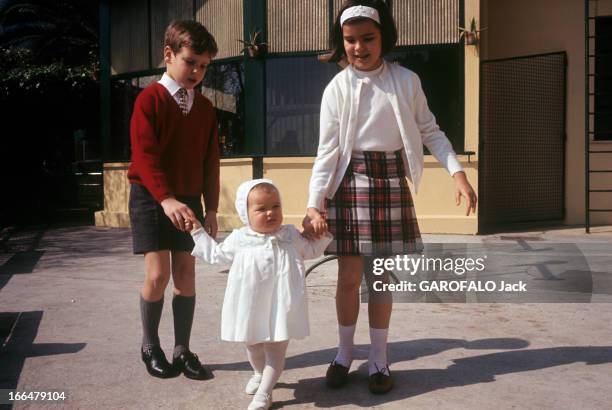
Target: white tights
column 267, row 359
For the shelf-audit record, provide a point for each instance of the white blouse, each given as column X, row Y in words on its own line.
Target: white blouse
column 377, row 128
column 339, row 123
column 265, row 299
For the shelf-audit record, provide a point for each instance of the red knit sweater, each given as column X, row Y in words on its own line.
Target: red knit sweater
column 174, row 154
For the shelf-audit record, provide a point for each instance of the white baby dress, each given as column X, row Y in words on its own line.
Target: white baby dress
column 265, row 299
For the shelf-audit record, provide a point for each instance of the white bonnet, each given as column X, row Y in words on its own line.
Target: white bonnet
column 242, row 195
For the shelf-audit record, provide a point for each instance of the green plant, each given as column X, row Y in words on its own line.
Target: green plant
column 471, row 35
column 252, row 47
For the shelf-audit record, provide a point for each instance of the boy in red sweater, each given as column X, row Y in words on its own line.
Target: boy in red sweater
column 175, row 159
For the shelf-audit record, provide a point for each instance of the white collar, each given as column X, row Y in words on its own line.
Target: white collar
column 282, row 233
column 171, row 85
column 369, row 74
column 372, row 73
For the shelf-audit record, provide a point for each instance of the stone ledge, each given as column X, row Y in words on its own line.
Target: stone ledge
column 112, row 219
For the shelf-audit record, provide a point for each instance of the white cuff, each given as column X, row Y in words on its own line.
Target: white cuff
column 453, row 165
column 316, row 199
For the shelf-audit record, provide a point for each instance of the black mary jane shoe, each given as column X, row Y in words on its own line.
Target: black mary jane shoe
column 156, row 363
column 189, row 364
column 336, row 376
column 379, row 382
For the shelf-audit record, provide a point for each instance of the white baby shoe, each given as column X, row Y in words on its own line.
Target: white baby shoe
column 261, row 401
column 253, row 384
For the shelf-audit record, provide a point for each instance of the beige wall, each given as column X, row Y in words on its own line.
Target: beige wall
column 233, row 173
column 472, row 83
column 523, row 27
column 116, row 195
column 435, row 204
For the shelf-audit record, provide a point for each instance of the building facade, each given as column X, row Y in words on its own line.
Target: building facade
column 513, row 104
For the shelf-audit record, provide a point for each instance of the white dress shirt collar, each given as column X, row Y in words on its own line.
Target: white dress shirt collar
column 173, row 87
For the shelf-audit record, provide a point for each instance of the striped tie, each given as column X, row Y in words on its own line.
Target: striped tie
column 182, row 100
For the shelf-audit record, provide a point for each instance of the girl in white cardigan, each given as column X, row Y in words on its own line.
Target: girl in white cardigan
column 265, row 299
column 374, row 122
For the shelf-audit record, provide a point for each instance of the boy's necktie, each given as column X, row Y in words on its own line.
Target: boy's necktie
column 182, row 98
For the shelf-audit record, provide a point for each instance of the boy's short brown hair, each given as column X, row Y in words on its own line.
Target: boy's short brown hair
column 190, row 33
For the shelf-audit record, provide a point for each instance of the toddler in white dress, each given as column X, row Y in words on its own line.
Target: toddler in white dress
column 265, row 301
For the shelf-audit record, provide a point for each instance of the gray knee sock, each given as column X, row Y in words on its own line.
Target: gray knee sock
column 182, row 309
column 150, row 315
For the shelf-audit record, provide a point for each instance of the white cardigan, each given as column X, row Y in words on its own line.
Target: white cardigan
column 338, row 124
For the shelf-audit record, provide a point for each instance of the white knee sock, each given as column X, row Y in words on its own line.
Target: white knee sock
column 257, row 357
column 275, row 363
column 345, row 346
column 377, row 359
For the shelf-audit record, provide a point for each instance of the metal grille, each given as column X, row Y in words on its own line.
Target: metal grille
column 129, row 36
column 337, row 6
column 162, row 13
column 522, row 137
column 298, row 25
column 224, row 19
column 426, row 21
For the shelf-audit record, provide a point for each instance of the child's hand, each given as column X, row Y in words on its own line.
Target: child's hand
column 314, row 224
column 193, row 225
column 463, row 188
column 177, row 212
column 210, row 223
column 308, row 231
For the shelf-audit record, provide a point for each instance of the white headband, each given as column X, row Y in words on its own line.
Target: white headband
column 359, row 11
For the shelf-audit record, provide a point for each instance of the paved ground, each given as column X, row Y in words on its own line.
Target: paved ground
column 69, row 321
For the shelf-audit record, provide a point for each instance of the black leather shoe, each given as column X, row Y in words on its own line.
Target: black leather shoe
column 189, row 364
column 380, row 383
column 336, row 375
column 157, row 365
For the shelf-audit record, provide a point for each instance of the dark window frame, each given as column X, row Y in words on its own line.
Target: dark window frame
column 602, row 107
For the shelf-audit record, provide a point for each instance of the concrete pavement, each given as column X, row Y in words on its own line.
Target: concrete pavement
column 69, row 321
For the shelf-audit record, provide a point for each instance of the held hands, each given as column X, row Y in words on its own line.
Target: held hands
column 193, row 225
column 183, row 218
column 314, row 224
column 210, row 224
column 177, row 212
column 463, row 188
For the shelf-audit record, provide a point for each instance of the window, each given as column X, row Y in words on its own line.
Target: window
column 223, row 85
column 123, row 96
column 294, row 88
column 441, row 72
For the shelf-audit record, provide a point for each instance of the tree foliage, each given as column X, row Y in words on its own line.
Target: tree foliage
column 47, row 43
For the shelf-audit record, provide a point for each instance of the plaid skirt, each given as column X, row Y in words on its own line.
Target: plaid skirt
column 372, row 213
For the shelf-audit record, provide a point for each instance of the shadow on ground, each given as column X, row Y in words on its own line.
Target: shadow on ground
column 19, row 251
column 410, row 383
column 19, row 345
column 17, row 334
